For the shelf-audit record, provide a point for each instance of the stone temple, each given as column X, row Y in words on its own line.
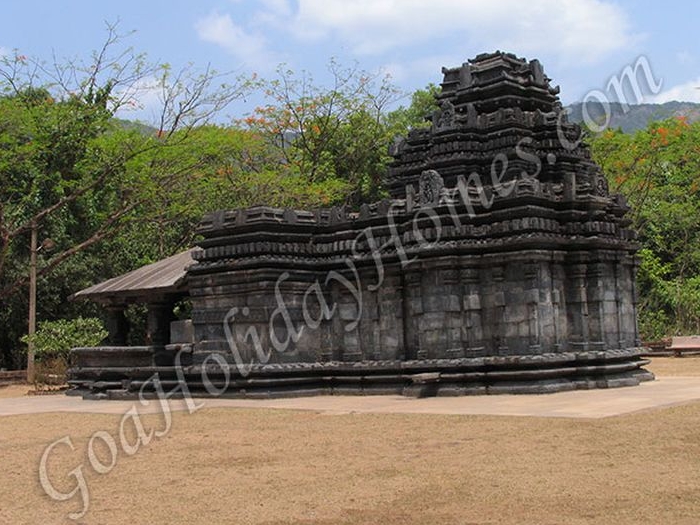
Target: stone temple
column 499, row 264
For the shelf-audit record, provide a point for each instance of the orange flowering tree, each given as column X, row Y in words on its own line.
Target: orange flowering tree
column 334, row 135
column 658, row 170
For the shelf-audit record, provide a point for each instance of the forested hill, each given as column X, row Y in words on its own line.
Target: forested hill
column 629, row 119
column 636, row 117
column 145, row 129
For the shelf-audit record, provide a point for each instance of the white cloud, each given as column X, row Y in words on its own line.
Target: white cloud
column 248, row 47
column 4, row 52
column 421, row 67
column 142, row 100
column 275, row 15
column 570, row 31
column 280, row 8
column 687, row 92
column 585, row 30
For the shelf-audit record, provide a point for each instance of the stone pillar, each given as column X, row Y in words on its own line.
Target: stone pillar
column 472, row 329
column 371, row 322
column 619, row 304
column 334, row 328
column 532, row 301
column 117, row 325
column 559, row 325
column 326, row 352
column 390, row 314
column 349, row 311
column 452, row 304
column 556, row 312
column 297, row 340
column 496, row 299
column 596, row 295
column 577, row 304
column 412, row 311
column 158, row 323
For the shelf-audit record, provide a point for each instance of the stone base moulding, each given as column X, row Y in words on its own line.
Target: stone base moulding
column 500, row 264
column 544, row 373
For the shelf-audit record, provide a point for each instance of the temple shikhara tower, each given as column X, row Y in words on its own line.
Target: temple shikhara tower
column 500, row 264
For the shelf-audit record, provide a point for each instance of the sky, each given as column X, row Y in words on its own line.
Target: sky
column 581, row 43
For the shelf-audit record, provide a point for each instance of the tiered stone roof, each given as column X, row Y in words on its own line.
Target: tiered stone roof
column 489, row 106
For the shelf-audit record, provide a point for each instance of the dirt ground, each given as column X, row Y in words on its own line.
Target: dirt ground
column 254, row 466
column 675, row 366
column 13, row 390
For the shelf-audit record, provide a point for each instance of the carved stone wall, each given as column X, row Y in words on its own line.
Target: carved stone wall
column 511, row 280
column 500, row 264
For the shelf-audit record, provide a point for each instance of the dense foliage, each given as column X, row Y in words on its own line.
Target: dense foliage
column 658, row 170
column 54, row 339
column 112, row 195
column 335, row 137
column 106, row 197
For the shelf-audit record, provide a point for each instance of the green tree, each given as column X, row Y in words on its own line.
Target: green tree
column 658, row 170
column 418, row 113
column 65, row 161
column 74, row 173
column 326, row 136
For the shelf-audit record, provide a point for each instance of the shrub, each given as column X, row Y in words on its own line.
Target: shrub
column 654, row 325
column 54, row 339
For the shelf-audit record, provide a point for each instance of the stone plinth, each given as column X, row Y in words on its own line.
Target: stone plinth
column 501, row 264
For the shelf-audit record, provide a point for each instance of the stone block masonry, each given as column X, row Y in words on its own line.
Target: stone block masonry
column 500, row 264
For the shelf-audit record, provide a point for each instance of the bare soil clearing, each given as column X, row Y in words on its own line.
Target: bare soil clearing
column 13, row 390
column 257, row 466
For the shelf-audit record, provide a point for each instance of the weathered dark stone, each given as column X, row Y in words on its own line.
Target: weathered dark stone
column 501, row 265
column 181, row 331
